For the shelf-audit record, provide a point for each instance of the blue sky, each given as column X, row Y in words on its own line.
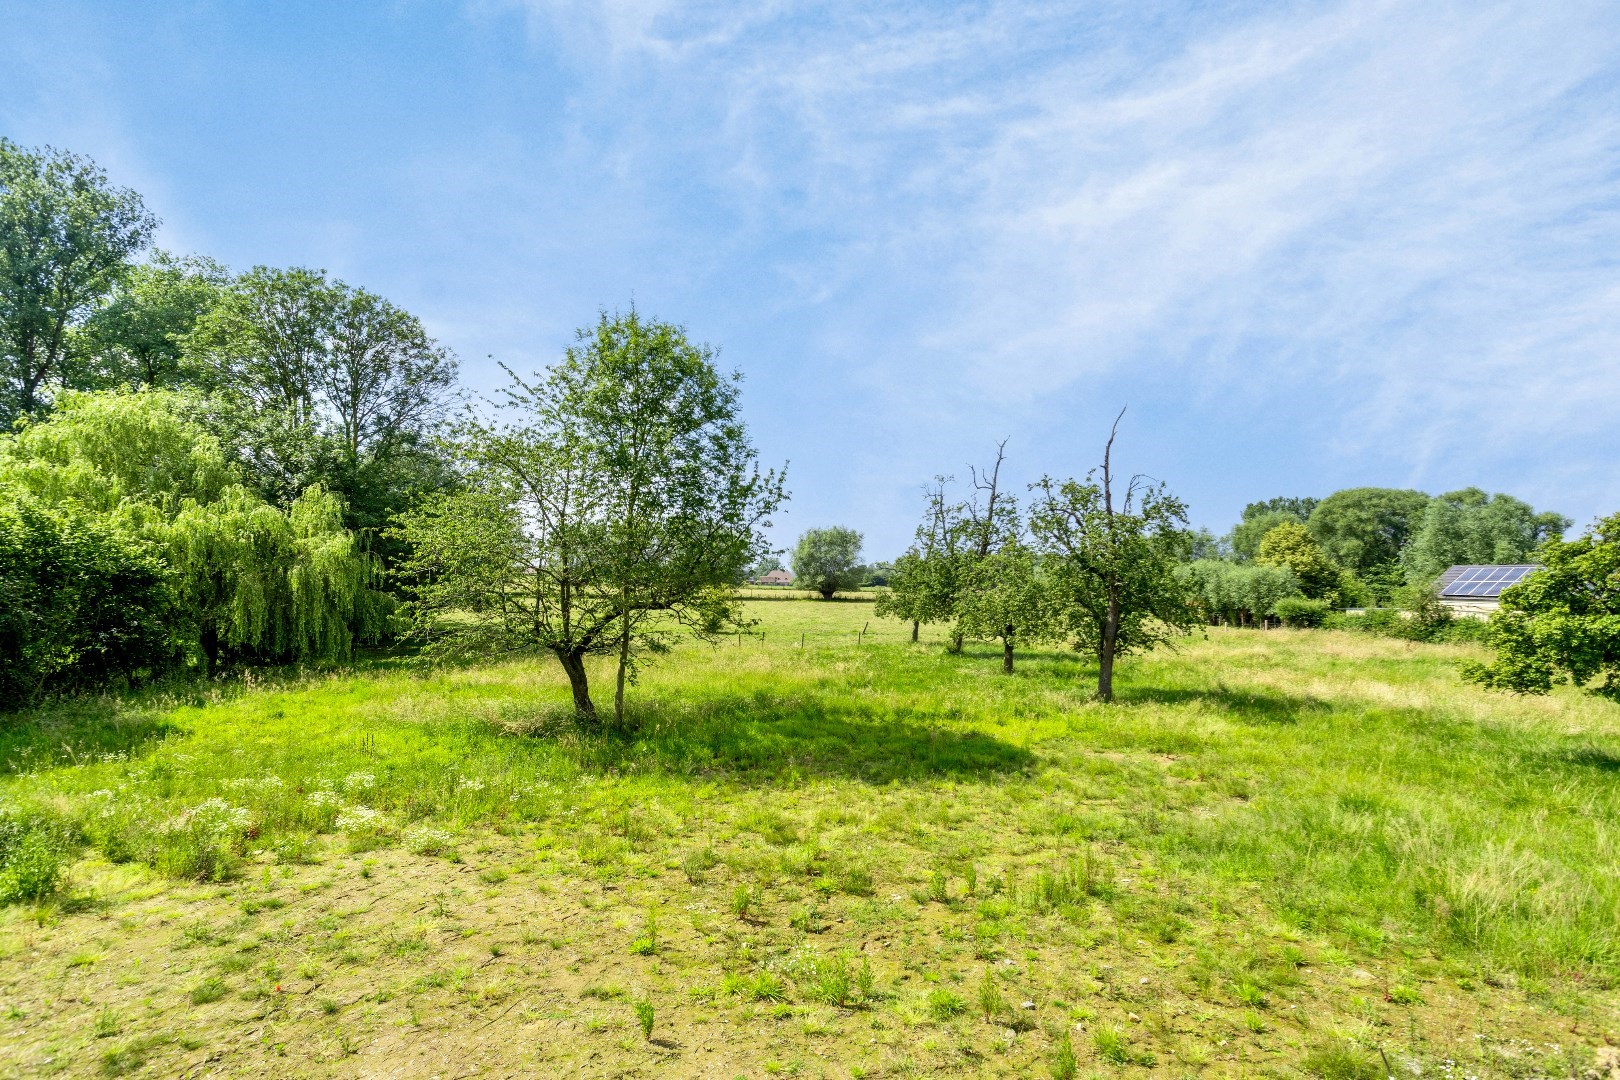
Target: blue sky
column 1311, row 245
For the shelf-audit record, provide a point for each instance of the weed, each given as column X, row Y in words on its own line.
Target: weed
column 1340, row 1061
column 644, row 1016
column 1064, row 1067
column 108, row 1023
column 209, row 990
column 131, row 1057
column 745, row 902
column 1111, row 1045
column 646, row 943
column 991, row 1003
column 945, row 1004
column 697, row 863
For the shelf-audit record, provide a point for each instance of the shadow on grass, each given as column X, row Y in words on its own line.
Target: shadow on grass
column 768, row 738
column 1591, row 757
column 74, row 732
column 1259, row 708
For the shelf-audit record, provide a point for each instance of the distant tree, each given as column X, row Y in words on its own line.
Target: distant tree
column 764, row 565
column 1246, row 535
column 1364, row 529
column 828, row 561
column 66, row 239
column 1206, row 545
column 1469, row 526
column 1238, row 593
column 136, row 339
column 1562, row 623
column 878, row 574
column 1113, row 568
column 610, row 507
column 1291, row 546
column 1297, row 507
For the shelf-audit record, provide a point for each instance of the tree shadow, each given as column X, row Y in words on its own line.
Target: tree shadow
column 1262, row 708
column 769, row 738
column 76, row 731
column 1590, row 757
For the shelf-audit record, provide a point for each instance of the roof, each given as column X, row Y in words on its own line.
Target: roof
column 1483, row 581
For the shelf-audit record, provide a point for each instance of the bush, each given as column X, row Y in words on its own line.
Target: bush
column 33, row 860
column 82, row 604
column 1298, row 611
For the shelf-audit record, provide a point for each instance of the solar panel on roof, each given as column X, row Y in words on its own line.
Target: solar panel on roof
column 1483, row 581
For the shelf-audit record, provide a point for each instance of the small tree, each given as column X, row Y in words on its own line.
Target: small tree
column 1291, row 546
column 1562, row 623
column 613, row 506
column 922, row 584
column 1004, row 599
column 1114, row 569
column 828, row 561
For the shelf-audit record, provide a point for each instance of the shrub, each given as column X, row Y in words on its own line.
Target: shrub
column 31, row 860
column 204, row 843
column 1298, row 611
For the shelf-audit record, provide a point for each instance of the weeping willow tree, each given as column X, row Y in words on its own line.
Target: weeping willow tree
column 250, row 582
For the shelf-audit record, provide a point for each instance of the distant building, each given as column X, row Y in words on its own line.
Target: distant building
column 1477, row 590
column 777, row 577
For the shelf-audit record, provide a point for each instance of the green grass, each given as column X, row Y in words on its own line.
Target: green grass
column 1299, row 850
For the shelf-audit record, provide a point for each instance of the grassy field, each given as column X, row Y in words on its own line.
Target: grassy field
column 1280, row 853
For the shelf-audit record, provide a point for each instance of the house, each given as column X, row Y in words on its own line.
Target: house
column 777, row 577
column 1477, row 590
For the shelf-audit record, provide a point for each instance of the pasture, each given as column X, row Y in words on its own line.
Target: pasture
column 1280, row 853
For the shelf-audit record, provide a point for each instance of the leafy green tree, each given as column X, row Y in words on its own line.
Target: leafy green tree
column 611, row 506
column 1239, row 593
column 1291, row 546
column 1562, row 623
column 1295, row 506
column 82, row 603
column 923, row 585
column 1469, row 526
column 764, row 565
column 252, row 583
column 1364, row 529
column 828, row 561
column 316, row 381
column 1245, row 537
column 66, row 239
column 1004, row 599
column 1114, row 569
column 136, row 339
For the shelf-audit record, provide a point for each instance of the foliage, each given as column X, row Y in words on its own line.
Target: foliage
column 136, row 339
column 1469, row 526
column 1245, row 537
column 1005, row 598
column 66, row 238
column 320, row 382
column 212, row 571
column 1297, row 611
column 1113, row 570
column 828, row 561
column 923, row 585
column 1291, row 546
column 1238, row 593
column 1364, row 529
column 612, row 507
column 33, row 858
column 82, row 603
column 1562, row 623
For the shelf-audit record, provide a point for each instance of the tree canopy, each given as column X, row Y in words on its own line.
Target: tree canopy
column 612, row 503
column 828, row 561
column 66, row 239
column 1363, row 529
column 1561, row 624
column 1469, row 526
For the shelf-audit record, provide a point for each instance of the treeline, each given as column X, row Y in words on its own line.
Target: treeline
column 1299, row 559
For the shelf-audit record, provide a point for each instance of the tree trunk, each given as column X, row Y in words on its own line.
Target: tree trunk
column 1007, row 654
column 1105, row 653
column 914, row 627
column 955, row 644
column 618, row 689
column 574, row 664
